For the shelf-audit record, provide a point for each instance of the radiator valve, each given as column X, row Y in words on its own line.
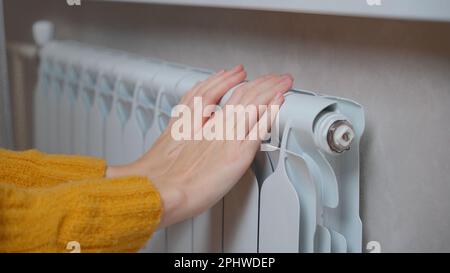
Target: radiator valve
column 334, row 133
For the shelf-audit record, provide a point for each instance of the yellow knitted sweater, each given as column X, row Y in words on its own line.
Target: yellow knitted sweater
column 47, row 201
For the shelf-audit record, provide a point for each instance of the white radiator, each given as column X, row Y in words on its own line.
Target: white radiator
column 302, row 195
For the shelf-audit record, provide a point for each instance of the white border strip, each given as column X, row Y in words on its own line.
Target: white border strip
column 430, row 10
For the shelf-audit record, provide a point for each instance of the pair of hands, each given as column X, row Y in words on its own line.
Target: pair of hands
column 192, row 175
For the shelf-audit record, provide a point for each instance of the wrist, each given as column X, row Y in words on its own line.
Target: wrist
column 113, row 171
column 173, row 202
column 173, row 198
column 122, row 170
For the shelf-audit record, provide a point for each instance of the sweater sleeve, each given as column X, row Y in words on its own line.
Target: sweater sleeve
column 101, row 215
column 35, row 169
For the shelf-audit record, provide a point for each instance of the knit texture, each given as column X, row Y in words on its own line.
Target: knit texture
column 47, row 201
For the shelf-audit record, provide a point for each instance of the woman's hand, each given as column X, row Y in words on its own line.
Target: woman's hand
column 165, row 150
column 192, row 175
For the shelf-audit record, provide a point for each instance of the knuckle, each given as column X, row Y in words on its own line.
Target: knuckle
column 240, row 91
column 208, row 96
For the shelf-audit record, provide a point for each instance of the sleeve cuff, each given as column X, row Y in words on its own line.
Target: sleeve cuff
column 111, row 215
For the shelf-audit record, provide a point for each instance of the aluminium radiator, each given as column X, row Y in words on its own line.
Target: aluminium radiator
column 301, row 194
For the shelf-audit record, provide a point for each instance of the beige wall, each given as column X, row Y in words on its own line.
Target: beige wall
column 399, row 71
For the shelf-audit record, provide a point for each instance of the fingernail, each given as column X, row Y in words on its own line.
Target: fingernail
column 286, row 80
column 237, row 68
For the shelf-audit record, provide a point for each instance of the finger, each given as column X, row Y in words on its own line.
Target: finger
column 188, row 98
column 212, row 89
column 252, row 110
column 265, row 90
column 216, row 92
column 196, row 91
column 262, row 119
column 219, row 78
column 260, row 80
column 241, row 91
column 244, row 115
column 265, row 96
column 200, row 85
column 262, row 128
column 190, row 94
